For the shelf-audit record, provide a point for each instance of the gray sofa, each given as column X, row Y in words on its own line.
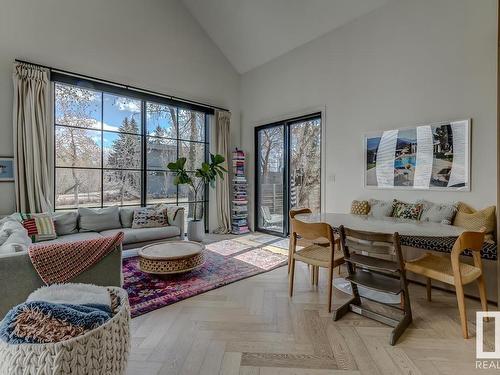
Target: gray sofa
column 18, row 278
column 73, row 226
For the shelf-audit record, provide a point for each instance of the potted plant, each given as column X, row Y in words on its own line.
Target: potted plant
column 206, row 175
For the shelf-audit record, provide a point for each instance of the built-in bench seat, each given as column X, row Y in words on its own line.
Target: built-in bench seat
column 445, row 244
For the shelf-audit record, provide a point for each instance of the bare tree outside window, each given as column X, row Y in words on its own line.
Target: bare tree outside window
column 305, row 164
column 107, row 151
column 295, row 144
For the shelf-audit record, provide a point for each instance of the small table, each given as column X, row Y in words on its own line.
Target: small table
column 172, row 257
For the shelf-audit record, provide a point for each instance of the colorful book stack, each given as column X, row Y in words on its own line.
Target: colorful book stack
column 240, row 199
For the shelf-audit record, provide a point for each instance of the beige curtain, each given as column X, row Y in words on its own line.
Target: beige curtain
column 223, row 200
column 31, row 121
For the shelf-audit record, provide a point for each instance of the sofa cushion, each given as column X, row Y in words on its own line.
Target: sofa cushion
column 410, row 211
column 438, row 212
column 66, row 222
column 127, row 216
column 82, row 236
column 97, row 220
column 171, row 211
column 150, row 217
column 16, row 242
column 133, row 235
column 13, row 236
column 380, row 209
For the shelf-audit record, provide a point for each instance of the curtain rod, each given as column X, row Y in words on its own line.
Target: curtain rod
column 128, row 87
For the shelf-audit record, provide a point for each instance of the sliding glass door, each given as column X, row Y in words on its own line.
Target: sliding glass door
column 305, row 164
column 270, row 174
column 288, row 171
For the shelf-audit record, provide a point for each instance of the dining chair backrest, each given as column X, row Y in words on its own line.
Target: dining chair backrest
column 372, row 244
column 472, row 241
column 311, row 231
column 299, row 211
column 469, row 241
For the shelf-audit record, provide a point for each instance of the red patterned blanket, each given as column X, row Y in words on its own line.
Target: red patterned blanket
column 61, row 262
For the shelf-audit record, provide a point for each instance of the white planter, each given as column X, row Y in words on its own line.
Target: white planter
column 196, row 230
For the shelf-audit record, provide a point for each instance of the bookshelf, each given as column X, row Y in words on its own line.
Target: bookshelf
column 239, row 204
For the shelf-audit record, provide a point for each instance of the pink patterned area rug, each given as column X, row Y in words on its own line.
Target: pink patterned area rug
column 226, row 261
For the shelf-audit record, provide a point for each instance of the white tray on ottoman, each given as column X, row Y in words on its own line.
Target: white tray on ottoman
column 171, row 257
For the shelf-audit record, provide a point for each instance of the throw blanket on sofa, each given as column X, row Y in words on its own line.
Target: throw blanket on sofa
column 61, row 262
column 44, row 322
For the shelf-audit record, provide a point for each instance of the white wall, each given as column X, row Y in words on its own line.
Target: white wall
column 154, row 44
column 407, row 63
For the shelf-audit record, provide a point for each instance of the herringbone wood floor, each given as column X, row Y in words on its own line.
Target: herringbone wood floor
column 252, row 327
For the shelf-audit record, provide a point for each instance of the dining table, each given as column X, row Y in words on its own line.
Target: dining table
column 387, row 225
column 408, row 231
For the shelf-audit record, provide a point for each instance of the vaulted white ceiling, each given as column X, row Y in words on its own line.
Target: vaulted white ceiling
column 253, row 32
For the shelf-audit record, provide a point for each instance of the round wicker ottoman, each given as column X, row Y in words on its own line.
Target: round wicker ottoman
column 103, row 350
column 167, row 258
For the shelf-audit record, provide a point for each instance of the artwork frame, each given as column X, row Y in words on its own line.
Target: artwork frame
column 435, row 156
column 7, row 169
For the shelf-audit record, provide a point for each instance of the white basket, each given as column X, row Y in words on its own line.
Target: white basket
column 103, row 350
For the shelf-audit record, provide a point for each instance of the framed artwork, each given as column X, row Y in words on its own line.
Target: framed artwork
column 6, row 169
column 428, row 157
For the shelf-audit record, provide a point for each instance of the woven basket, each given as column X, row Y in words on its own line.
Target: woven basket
column 103, row 350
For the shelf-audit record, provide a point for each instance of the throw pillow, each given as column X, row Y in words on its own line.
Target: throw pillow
column 360, row 207
column 98, row 220
column 404, row 210
column 13, row 236
column 127, row 216
column 170, row 210
column 150, row 217
column 438, row 212
column 380, row 209
column 66, row 222
column 40, row 227
column 471, row 219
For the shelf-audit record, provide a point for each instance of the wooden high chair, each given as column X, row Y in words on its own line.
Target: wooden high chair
column 449, row 270
column 363, row 254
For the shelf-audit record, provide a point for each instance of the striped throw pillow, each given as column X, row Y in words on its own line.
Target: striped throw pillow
column 40, row 227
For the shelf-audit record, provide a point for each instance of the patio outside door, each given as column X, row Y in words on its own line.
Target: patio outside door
column 288, row 171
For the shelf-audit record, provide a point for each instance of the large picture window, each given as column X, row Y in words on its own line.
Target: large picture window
column 113, row 148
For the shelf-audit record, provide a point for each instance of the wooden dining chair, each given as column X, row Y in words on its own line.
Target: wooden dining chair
column 449, row 270
column 314, row 254
column 303, row 242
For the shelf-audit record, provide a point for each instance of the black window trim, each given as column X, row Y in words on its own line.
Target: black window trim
column 285, row 124
column 144, row 97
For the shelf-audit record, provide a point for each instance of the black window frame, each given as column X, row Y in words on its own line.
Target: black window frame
column 285, row 124
column 144, row 97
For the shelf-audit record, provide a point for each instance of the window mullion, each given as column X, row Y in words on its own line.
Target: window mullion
column 144, row 192
column 102, row 149
column 178, row 147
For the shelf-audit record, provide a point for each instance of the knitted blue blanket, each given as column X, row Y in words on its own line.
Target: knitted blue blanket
column 44, row 322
